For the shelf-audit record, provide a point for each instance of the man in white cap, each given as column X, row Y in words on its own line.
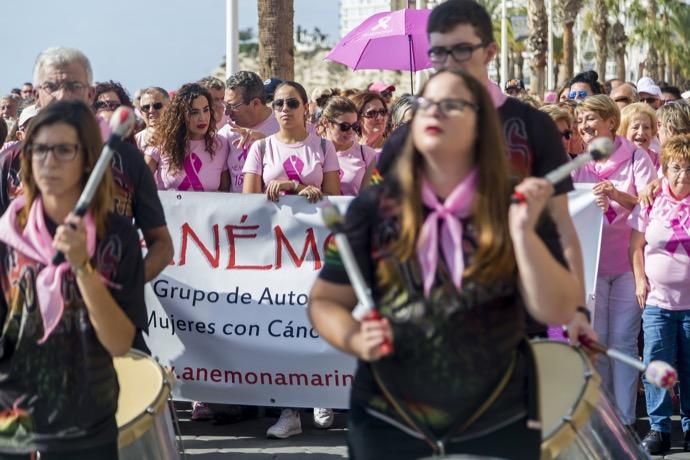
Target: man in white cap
column 649, row 92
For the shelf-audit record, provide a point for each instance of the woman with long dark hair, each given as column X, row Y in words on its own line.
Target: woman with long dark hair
column 61, row 325
column 451, row 264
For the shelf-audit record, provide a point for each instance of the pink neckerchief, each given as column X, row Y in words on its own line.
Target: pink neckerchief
column 497, row 96
column 677, row 214
column 36, row 243
column 623, row 152
column 457, row 205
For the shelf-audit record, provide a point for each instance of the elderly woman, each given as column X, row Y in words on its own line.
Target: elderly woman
column 660, row 253
column 616, row 182
column 451, row 299
column 639, row 126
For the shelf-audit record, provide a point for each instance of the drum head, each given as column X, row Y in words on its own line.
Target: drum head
column 565, row 380
column 141, row 387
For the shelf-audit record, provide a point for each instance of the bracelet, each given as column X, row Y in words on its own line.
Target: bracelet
column 585, row 312
column 84, row 269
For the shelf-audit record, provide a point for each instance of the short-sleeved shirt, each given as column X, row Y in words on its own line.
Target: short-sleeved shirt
column 666, row 228
column 453, row 346
column 306, row 161
column 201, row 170
column 143, row 139
column 237, row 157
column 532, row 140
column 62, row 394
column 354, row 163
column 631, row 175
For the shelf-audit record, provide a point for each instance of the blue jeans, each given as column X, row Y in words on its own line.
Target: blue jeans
column 667, row 338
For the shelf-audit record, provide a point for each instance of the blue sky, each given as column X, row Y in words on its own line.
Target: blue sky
column 137, row 42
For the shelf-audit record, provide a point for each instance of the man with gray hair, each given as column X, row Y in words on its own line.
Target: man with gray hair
column 250, row 120
column 216, row 87
column 624, row 95
column 65, row 74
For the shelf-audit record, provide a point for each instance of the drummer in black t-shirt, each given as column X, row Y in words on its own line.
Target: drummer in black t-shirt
column 451, row 265
column 461, row 37
column 61, row 325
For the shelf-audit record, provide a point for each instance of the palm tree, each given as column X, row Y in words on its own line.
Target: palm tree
column 276, row 42
column 567, row 11
column 619, row 41
column 601, row 27
column 537, row 22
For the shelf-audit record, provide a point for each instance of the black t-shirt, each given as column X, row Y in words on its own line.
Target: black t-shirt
column 452, row 347
column 531, row 138
column 62, row 394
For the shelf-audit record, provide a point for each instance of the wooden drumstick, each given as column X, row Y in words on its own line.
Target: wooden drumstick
column 658, row 373
column 334, row 221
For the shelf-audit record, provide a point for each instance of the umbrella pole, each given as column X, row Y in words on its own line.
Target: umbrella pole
column 409, row 40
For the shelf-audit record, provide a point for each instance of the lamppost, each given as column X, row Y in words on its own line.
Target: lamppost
column 232, row 37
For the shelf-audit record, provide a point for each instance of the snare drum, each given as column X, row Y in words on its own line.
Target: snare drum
column 143, row 416
column 578, row 422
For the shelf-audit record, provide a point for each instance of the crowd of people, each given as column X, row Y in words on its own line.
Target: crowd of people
column 446, row 252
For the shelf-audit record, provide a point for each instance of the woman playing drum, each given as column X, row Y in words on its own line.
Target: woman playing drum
column 442, row 247
column 63, row 324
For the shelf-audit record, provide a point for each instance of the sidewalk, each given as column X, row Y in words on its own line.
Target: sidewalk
column 206, row 440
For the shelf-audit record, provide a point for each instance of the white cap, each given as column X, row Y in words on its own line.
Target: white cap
column 685, row 95
column 27, row 114
column 647, row 85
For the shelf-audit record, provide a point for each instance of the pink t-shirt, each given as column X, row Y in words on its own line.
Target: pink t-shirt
column 143, row 139
column 353, row 166
column 237, row 157
column 305, row 162
column 629, row 169
column 201, row 171
column 666, row 228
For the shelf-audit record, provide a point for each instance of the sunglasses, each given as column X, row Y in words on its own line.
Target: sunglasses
column 623, row 99
column 375, row 113
column 106, row 105
column 567, row 134
column 577, row 95
column 345, row 126
column 290, row 102
column 649, row 100
column 147, row 107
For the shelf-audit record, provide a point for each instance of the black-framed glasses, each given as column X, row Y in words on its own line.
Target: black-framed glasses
column 61, row 152
column 446, row 106
column 460, row 52
column 567, row 134
column 146, row 108
column 291, row 103
column 375, row 113
column 233, row 107
column 345, row 126
column 69, row 86
column 575, row 95
column 106, row 105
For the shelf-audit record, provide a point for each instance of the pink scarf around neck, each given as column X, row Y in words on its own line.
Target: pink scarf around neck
column 623, row 152
column 35, row 242
column 456, row 206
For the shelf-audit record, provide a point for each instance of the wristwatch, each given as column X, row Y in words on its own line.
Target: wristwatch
column 84, row 269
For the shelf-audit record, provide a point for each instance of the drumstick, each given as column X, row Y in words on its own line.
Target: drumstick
column 366, row 308
column 121, row 124
column 598, row 149
column 658, row 373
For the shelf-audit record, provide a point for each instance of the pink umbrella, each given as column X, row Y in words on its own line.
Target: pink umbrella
column 391, row 40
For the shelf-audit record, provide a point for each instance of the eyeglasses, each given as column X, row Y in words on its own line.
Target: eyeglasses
column 567, row 134
column 623, row 99
column 375, row 113
column 233, row 107
column 460, row 52
column 577, row 95
column 649, row 100
column 61, row 152
column 146, row 108
column 345, row 126
column 69, row 86
column 106, row 105
column 447, row 107
column 676, row 169
column 290, row 102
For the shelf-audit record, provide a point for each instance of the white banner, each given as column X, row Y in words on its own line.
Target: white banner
column 229, row 315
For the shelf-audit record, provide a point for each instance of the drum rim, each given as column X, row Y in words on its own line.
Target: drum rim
column 563, row 434
column 139, row 425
